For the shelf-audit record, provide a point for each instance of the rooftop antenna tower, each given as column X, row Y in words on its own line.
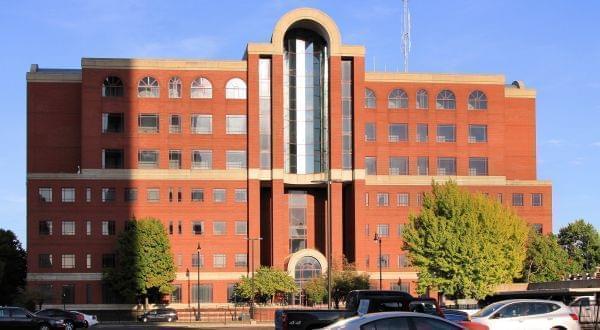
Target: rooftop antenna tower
column 405, row 33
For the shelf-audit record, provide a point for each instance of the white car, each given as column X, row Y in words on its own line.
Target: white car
column 527, row 314
column 394, row 321
column 89, row 320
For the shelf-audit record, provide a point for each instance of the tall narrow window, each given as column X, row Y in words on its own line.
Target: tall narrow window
column 422, row 132
column 235, row 89
column 371, row 165
column 175, row 124
column 422, row 99
column 88, row 194
column 347, row 105
column 298, row 223
column 264, row 111
column 536, row 199
column 201, row 124
column 201, row 89
column 478, row 166
column 423, row 166
column 175, row 88
column 398, row 99
column 175, row 159
column 398, row 132
column 370, row 99
column 148, row 88
column 445, row 100
column 112, row 87
column 370, row 133
column 477, row 100
column 202, row 159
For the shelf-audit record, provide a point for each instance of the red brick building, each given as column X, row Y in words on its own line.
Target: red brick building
column 223, row 151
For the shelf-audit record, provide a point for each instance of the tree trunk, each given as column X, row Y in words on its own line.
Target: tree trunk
column 146, row 302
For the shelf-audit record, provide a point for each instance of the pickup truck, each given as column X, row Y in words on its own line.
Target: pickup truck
column 363, row 301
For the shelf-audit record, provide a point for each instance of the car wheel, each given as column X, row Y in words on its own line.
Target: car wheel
column 557, row 328
column 169, row 319
column 145, row 320
column 86, row 324
column 44, row 327
column 69, row 326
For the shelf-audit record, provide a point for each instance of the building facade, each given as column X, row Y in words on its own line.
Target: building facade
column 225, row 152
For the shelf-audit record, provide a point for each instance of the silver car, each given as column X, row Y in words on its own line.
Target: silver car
column 394, row 321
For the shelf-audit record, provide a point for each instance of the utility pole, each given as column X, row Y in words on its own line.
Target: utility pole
column 198, row 290
column 377, row 238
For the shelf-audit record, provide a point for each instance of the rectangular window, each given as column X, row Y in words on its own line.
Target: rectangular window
column 45, row 228
column 202, row 159
column 536, row 199
column 201, row 124
column 148, row 159
column 403, row 261
column 241, row 195
column 108, row 260
column 446, row 166
column 264, row 111
column 499, row 198
column 477, row 133
column 371, row 165
column 347, row 106
column 423, row 166
column 148, row 123
column 517, row 199
column 419, row 198
column 176, row 294
column 235, row 124
column 446, row 133
column 130, row 194
column 197, row 260
column 219, row 195
column 197, row 195
column 68, row 195
column 112, row 158
column 175, row 124
column 403, row 199
column 241, row 260
column 398, row 132
column 179, row 260
column 367, row 230
column 68, row 293
column 236, row 159
column 400, row 229
column 241, row 228
column 153, row 195
column 398, row 166
column 109, row 195
column 198, row 227
column 88, row 228
column 383, row 230
column 219, row 228
column 108, row 228
column 219, row 261
column 88, row 194
column 45, row 260
column 68, row 228
column 383, row 199
column 170, row 228
column 175, row 159
column 112, row 122
column 478, row 166
column 45, row 195
column 68, row 261
column 204, row 293
column 297, row 204
column 366, row 199
column 422, row 132
column 370, row 133
column 385, row 261
column 170, row 194
column 179, row 228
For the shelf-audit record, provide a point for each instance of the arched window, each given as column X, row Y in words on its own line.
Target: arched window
column 422, row 99
column 175, row 88
column 235, row 89
column 148, row 87
column 306, row 269
column 201, row 89
column 112, row 86
column 477, row 101
column 370, row 99
column 398, row 99
column 445, row 100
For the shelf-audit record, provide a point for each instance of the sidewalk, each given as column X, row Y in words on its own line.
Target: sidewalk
column 194, row 324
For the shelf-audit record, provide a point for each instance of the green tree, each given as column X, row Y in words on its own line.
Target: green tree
column 464, row 244
column 582, row 242
column 316, row 290
column 144, row 261
column 345, row 281
column 267, row 282
column 13, row 267
column 546, row 260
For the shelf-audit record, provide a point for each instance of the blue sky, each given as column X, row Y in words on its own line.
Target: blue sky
column 554, row 46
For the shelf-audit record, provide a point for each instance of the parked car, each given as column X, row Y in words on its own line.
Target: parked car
column 72, row 320
column 357, row 302
column 527, row 314
column 586, row 308
column 89, row 320
column 20, row 318
column 159, row 315
column 396, row 321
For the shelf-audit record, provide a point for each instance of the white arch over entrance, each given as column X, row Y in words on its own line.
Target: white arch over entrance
column 294, row 258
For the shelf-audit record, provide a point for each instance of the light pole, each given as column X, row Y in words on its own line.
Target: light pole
column 377, row 238
column 187, row 275
column 251, row 241
column 198, row 286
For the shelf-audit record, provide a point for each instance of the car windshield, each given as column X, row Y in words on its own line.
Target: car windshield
column 489, row 309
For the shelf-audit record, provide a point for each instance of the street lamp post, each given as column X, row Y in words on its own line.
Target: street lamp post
column 251, row 241
column 187, row 275
column 377, row 238
column 198, row 286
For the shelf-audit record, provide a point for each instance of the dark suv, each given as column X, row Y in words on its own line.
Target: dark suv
column 20, row 318
column 159, row 315
column 72, row 320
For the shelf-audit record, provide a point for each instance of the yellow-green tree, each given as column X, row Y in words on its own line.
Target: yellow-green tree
column 546, row 260
column 464, row 244
column 266, row 283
